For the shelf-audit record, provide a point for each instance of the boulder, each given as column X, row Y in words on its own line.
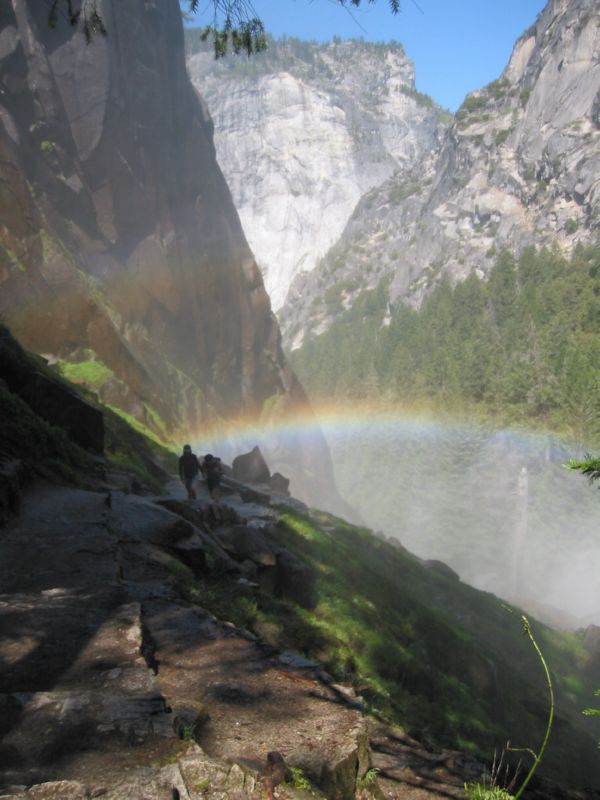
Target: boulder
column 251, row 467
column 245, row 543
column 280, row 484
column 295, row 580
column 141, row 520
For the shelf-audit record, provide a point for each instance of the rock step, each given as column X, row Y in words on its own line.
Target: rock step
column 192, row 776
column 239, row 703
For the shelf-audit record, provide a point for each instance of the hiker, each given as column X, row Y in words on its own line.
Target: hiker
column 189, row 467
column 212, row 471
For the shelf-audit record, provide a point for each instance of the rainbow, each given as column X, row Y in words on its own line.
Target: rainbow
column 335, row 419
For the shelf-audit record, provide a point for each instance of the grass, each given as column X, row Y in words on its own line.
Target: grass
column 93, row 373
column 300, row 781
column 476, row 791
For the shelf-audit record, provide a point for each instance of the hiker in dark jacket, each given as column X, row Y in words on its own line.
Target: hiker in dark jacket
column 189, row 467
column 212, row 471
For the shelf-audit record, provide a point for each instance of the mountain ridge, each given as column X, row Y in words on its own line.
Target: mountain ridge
column 517, row 167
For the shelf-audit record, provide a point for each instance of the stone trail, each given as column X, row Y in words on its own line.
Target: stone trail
column 112, row 685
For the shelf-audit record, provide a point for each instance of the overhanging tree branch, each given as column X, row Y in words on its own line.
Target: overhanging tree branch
column 235, row 25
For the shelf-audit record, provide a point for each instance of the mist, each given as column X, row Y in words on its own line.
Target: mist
column 498, row 507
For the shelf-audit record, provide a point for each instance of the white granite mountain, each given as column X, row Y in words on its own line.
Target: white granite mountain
column 302, row 132
column 520, row 165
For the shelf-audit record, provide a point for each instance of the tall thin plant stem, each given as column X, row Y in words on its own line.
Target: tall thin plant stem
column 538, row 757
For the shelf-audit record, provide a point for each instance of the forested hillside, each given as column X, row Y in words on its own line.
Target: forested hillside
column 522, row 346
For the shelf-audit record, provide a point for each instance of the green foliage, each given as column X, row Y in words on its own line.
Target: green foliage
column 571, row 226
column 402, row 191
column 524, row 97
column 589, row 466
column 93, row 372
column 523, row 346
column 84, row 15
column 538, row 756
column 593, row 712
column 474, row 102
column 420, row 98
column 475, row 791
column 300, row 781
column 136, row 425
column 234, row 27
column 368, row 780
column 412, row 656
column 414, row 641
column 498, row 88
column 490, row 789
column 502, row 136
column 247, row 36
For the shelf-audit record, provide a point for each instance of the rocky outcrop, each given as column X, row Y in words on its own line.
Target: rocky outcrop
column 519, row 166
column 302, row 132
column 276, row 570
column 121, row 250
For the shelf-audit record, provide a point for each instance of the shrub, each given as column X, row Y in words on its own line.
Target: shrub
column 571, row 226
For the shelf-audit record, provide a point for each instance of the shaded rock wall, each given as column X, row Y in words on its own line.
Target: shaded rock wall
column 117, row 231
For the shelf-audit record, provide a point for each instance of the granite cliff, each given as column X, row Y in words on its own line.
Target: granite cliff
column 302, row 132
column 518, row 166
column 122, row 257
column 120, row 244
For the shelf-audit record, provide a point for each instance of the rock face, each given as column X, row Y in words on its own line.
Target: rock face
column 519, row 166
column 121, row 249
column 51, row 399
column 302, row 132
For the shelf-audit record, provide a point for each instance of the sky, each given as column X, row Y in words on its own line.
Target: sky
column 456, row 45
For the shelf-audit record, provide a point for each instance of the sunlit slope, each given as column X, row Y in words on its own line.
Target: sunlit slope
column 448, row 662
